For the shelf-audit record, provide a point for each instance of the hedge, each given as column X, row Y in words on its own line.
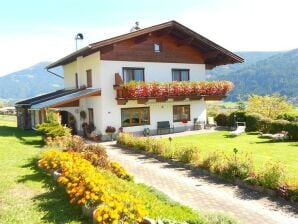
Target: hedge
column 290, row 116
column 237, row 116
column 278, row 126
column 292, row 129
column 222, row 119
column 253, row 121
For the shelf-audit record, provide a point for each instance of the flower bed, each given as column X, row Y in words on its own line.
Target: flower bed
column 271, row 177
column 86, row 186
column 173, row 89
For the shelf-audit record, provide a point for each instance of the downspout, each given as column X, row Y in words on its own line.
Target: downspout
column 55, row 74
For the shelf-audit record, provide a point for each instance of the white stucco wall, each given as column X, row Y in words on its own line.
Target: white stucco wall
column 111, row 111
column 80, row 66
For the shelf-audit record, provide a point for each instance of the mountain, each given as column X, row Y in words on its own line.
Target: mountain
column 275, row 73
column 29, row 82
column 250, row 57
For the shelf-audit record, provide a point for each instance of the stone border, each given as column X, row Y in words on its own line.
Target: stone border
column 200, row 171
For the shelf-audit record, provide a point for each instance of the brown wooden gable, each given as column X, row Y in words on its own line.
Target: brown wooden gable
column 141, row 49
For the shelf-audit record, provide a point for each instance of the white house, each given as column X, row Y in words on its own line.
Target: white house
column 95, row 77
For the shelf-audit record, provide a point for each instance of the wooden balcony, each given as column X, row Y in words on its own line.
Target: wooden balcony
column 175, row 91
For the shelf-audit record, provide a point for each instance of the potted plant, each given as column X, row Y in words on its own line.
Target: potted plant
column 184, row 121
column 110, row 130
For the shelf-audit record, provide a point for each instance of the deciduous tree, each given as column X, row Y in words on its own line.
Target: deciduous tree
column 269, row 106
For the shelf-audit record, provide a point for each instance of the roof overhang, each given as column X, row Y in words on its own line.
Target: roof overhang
column 60, row 101
column 213, row 53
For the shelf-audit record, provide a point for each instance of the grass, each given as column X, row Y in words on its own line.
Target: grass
column 261, row 149
column 28, row 195
column 25, row 192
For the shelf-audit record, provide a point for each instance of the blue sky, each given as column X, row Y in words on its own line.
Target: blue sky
column 32, row 31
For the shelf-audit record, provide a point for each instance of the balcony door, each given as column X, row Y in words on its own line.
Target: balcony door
column 89, row 78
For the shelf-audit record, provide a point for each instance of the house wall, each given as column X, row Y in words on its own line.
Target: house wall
column 111, row 111
column 80, row 66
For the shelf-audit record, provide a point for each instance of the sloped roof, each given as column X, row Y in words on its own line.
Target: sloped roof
column 215, row 54
column 66, row 98
column 48, row 96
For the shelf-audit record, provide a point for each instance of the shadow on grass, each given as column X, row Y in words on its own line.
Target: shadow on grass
column 7, row 131
column 54, row 202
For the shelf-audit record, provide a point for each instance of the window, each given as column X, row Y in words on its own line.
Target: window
column 157, row 47
column 135, row 116
column 89, row 78
column 181, row 112
column 91, row 115
column 136, row 74
column 77, row 80
column 180, row 74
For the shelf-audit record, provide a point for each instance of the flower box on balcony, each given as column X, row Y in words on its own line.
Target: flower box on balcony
column 178, row 91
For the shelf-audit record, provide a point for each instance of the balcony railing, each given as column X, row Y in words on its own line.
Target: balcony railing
column 163, row 91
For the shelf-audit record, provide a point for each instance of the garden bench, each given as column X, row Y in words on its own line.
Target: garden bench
column 164, row 125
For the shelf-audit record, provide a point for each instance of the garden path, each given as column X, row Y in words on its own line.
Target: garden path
column 203, row 192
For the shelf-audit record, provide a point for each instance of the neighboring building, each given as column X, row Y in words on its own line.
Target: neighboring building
column 8, row 110
column 93, row 78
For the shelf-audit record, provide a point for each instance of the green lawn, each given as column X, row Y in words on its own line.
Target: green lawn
column 28, row 195
column 261, row 149
column 25, row 195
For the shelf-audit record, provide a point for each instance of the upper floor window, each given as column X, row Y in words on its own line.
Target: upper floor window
column 157, row 47
column 89, row 78
column 180, row 74
column 136, row 74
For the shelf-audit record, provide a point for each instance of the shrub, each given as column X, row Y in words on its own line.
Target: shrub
column 237, row 116
column 278, row 126
column 253, row 122
column 265, row 125
column 97, row 155
column 70, row 143
column 272, row 175
column 222, row 119
column 290, row 116
column 184, row 154
column 237, row 167
column 292, row 129
column 53, row 129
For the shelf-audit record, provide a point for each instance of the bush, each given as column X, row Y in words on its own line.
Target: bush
column 97, row 155
column 184, row 154
column 253, row 122
column 265, row 125
column 290, row 116
column 237, row 167
column 292, row 129
column 222, row 119
column 70, row 143
column 278, row 126
column 53, row 129
column 237, row 116
column 272, row 176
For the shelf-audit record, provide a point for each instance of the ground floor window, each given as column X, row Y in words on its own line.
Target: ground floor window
column 135, row 116
column 181, row 112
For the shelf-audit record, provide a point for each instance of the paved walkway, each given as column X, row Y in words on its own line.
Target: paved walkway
column 201, row 192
